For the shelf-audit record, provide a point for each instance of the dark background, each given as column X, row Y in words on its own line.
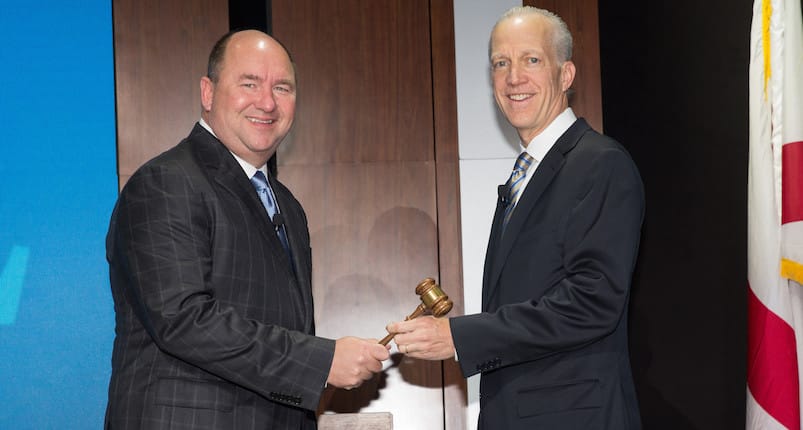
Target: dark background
column 675, row 93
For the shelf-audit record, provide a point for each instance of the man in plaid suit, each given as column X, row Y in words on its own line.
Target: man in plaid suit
column 213, row 300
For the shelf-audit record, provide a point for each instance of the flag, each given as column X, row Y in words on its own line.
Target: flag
column 775, row 217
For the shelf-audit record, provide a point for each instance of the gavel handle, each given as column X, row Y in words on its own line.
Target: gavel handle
column 416, row 313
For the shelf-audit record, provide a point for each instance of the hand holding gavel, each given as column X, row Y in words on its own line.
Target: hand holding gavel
column 433, row 299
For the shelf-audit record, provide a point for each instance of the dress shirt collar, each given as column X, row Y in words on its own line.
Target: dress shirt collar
column 247, row 168
column 542, row 143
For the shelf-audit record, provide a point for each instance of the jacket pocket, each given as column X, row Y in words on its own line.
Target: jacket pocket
column 564, row 396
column 194, row 393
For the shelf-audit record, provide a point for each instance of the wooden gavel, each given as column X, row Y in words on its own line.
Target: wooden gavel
column 433, row 299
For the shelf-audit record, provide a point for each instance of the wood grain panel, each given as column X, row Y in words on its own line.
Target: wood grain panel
column 448, row 193
column 373, row 159
column 374, row 222
column 365, row 90
column 374, row 237
column 375, row 140
column 160, row 52
column 582, row 18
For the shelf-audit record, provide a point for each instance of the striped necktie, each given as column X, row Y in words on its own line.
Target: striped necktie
column 266, row 196
column 515, row 182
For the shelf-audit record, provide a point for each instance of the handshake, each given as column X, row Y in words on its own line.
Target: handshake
column 430, row 338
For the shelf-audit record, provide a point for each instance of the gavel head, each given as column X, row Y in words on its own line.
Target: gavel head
column 433, row 298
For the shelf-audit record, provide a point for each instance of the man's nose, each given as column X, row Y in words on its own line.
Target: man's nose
column 266, row 100
column 514, row 75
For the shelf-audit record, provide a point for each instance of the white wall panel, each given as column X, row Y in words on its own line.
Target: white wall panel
column 488, row 147
column 482, row 130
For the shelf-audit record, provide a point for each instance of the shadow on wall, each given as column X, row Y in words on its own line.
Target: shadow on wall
column 371, row 287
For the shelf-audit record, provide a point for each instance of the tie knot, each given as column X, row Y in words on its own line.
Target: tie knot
column 259, row 181
column 523, row 162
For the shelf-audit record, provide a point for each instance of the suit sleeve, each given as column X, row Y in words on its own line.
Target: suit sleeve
column 600, row 237
column 161, row 251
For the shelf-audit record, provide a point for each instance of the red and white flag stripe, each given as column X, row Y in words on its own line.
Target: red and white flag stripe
column 775, row 217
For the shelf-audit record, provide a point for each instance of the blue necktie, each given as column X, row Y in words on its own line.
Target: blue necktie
column 266, row 196
column 515, row 182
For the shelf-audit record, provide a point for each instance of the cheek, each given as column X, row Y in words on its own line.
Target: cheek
column 557, row 82
column 288, row 107
column 498, row 81
column 240, row 103
column 235, row 101
column 499, row 93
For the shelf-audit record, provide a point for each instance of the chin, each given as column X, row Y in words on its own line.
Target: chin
column 521, row 125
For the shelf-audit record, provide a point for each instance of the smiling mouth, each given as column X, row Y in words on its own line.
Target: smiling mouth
column 262, row 121
column 519, row 97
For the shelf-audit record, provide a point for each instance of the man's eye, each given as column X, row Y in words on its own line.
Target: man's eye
column 499, row 64
column 533, row 60
column 282, row 89
column 249, row 85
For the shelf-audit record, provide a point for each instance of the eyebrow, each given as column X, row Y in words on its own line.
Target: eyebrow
column 289, row 82
column 523, row 54
column 250, row 77
column 532, row 52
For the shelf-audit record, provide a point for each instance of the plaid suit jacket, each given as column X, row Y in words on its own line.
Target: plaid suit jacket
column 214, row 329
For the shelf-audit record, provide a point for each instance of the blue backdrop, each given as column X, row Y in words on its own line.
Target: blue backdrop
column 58, row 185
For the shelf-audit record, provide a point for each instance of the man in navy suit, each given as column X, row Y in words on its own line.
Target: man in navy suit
column 551, row 340
column 210, row 268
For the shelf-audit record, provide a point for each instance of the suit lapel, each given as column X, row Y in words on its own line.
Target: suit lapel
column 228, row 174
column 547, row 169
column 493, row 243
column 295, row 228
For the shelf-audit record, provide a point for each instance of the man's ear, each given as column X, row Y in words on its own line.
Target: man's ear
column 567, row 72
column 207, row 93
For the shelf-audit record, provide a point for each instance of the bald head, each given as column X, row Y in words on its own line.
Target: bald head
column 216, row 56
column 558, row 33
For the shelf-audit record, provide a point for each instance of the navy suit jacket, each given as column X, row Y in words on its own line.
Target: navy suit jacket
column 214, row 328
column 551, row 342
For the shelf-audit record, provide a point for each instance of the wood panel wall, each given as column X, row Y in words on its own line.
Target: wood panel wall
column 582, row 18
column 373, row 159
column 160, row 54
column 447, row 159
